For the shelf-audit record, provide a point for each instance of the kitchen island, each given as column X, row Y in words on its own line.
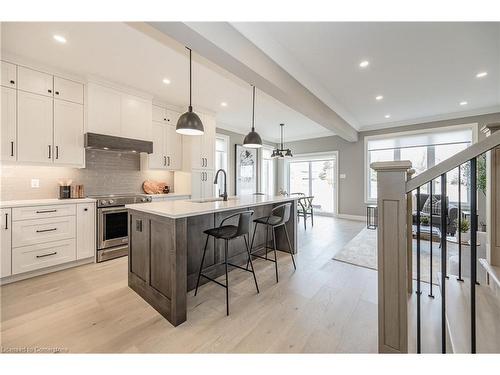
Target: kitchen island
column 166, row 242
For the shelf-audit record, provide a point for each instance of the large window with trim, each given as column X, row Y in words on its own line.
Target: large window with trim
column 425, row 149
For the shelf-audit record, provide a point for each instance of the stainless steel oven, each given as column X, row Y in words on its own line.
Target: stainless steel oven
column 112, row 229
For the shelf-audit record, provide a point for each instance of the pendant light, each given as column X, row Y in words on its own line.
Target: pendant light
column 253, row 140
column 281, row 151
column 189, row 123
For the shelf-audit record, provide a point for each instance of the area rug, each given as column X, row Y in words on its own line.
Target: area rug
column 362, row 251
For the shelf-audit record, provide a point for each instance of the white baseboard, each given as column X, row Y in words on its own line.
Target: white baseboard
column 351, row 217
column 44, row 271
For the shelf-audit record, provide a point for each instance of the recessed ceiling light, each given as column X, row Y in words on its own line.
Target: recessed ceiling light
column 166, row 81
column 463, row 102
column 379, row 97
column 223, row 104
column 59, row 38
column 481, row 74
column 364, row 64
column 387, row 116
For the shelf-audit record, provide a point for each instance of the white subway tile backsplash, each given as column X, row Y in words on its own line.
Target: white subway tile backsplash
column 105, row 173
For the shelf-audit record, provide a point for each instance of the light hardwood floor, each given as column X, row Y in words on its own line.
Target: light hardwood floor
column 324, row 306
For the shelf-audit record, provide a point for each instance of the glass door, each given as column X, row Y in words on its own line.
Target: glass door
column 315, row 176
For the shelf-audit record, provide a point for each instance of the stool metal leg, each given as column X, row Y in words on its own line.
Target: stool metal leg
column 267, row 238
column 251, row 264
column 227, row 278
column 289, row 246
column 251, row 244
column 275, row 256
column 201, row 265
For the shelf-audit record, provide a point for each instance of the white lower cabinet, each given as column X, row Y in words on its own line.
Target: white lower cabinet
column 6, row 243
column 85, row 230
column 37, row 237
column 30, row 258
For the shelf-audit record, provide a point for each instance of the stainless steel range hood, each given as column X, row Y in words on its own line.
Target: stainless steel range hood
column 112, row 143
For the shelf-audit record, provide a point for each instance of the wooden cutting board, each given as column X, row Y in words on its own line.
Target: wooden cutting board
column 153, row 187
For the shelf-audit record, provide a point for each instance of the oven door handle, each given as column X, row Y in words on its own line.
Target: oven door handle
column 113, row 209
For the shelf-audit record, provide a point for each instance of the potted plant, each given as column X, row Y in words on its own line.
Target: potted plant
column 424, row 220
column 464, row 229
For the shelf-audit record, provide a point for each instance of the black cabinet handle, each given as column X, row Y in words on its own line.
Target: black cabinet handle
column 6, row 221
column 12, row 82
column 45, row 211
column 50, row 153
column 164, row 119
column 45, row 230
column 85, row 209
column 168, row 163
column 164, row 161
column 46, row 255
column 57, row 152
column 50, row 91
column 12, row 148
column 57, row 92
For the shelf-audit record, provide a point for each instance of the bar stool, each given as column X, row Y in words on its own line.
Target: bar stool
column 279, row 217
column 228, row 233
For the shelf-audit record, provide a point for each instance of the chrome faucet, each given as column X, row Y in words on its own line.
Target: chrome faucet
column 223, row 195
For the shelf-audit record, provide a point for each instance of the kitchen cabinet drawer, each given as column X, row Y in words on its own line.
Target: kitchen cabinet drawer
column 30, row 232
column 35, row 82
column 9, row 74
column 40, row 212
column 30, row 258
column 66, row 89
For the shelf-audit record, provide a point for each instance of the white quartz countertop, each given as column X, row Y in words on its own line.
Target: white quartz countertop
column 184, row 208
column 169, row 195
column 43, row 202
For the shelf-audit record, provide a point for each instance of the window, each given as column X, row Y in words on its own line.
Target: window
column 221, row 159
column 267, row 174
column 424, row 149
column 315, row 175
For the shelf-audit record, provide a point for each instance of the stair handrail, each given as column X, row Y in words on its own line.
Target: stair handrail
column 447, row 165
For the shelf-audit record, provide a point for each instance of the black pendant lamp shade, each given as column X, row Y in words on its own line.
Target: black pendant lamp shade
column 189, row 123
column 253, row 140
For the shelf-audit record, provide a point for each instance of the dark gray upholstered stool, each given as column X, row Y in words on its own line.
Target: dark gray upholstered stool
column 279, row 217
column 228, row 233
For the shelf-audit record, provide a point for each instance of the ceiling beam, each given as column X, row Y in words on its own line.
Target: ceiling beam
column 222, row 44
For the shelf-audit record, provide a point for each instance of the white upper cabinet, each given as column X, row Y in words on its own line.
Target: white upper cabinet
column 104, row 110
column 159, row 114
column 66, row 89
column 136, row 117
column 34, row 128
column 35, row 82
column 173, row 142
column 8, row 136
column 9, row 74
column 68, row 133
column 157, row 160
column 199, row 150
column 113, row 112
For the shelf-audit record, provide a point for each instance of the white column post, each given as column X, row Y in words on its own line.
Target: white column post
column 392, row 256
column 493, row 199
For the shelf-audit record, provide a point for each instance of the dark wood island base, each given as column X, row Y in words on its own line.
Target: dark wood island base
column 165, row 254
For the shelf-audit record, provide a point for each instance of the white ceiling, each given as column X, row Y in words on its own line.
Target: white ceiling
column 121, row 54
column 423, row 70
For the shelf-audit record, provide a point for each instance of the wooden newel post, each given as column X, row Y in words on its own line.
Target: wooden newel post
column 392, row 256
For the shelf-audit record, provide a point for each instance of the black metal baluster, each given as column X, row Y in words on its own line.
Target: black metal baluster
column 431, row 239
column 473, row 252
column 459, row 278
column 444, row 214
column 419, row 348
